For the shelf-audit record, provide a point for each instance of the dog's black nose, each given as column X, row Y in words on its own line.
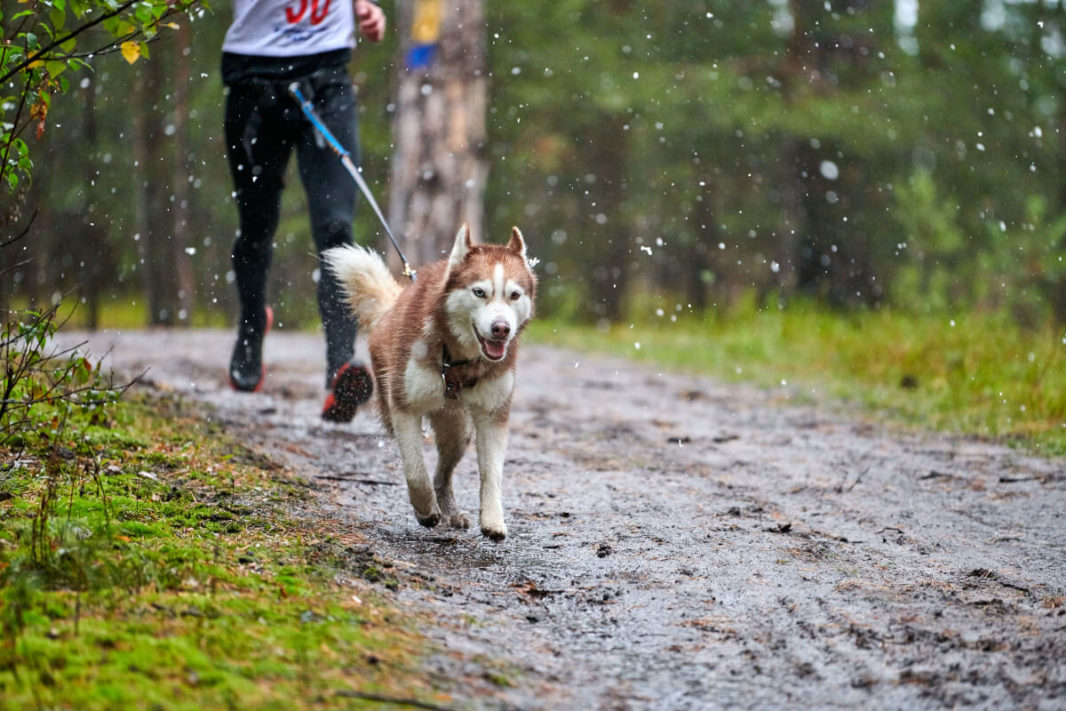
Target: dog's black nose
column 500, row 330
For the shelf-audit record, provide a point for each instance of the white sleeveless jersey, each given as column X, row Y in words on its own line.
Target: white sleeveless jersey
column 290, row 28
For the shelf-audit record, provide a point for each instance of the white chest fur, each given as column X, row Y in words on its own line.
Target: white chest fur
column 424, row 390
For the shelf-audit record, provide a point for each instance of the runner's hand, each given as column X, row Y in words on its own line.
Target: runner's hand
column 371, row 20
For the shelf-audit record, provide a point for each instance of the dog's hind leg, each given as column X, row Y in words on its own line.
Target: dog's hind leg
column 408, row 431
column 491, row 447
column 452, row 432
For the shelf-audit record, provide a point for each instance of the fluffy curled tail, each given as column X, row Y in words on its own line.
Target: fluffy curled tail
column 369, row 285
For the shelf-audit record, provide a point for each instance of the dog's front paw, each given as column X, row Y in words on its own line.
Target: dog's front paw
column 429, row 521
column 492, row 525
column 456, row 520
column 495, row 532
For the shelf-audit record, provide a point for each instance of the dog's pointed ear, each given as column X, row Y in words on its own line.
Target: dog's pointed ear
column 462, row 246
column 517, row 243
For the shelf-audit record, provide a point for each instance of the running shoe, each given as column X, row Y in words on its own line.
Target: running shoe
column 351, row 387
column 246, row 369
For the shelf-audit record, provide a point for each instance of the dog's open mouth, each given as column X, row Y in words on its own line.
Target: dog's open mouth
column 493, row 350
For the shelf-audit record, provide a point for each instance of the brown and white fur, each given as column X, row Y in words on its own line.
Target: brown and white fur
column 466, row 310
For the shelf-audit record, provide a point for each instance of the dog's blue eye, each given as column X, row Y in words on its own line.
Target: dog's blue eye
column 479, row 292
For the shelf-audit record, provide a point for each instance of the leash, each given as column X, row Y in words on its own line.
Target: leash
column 346, row 159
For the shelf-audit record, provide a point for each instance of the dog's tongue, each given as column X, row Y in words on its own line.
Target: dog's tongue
column 494, row 349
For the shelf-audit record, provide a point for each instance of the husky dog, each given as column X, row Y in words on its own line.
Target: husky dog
column 444, row 347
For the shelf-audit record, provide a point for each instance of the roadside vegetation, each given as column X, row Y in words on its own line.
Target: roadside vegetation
column 149, row 561
column 979, row 374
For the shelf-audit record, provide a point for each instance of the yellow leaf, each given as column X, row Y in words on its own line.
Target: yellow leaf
column 35, row 63
column 173, row 25
column 131, row 51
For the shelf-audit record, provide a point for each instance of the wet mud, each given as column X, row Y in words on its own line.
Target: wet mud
column 677, row 543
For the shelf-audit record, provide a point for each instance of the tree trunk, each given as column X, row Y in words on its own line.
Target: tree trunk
column 150, row 223
column 139, row 151
column 90, row 277
column 829, row 256
column 610, row 244
column 1056, row 286
column 179, row 237
column 439, row 169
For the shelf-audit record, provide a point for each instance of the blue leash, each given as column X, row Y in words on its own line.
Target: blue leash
column 346, row 159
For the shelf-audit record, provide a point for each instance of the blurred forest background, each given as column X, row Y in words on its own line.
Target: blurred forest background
column 659, row 157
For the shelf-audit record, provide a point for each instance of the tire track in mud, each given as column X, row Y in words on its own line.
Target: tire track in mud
column 678, row 543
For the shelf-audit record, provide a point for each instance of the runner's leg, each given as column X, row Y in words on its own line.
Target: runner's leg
column 258, row 153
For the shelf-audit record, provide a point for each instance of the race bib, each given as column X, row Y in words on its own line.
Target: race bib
column 288, row 28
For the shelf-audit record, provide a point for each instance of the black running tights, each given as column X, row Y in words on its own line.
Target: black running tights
column 263, row 124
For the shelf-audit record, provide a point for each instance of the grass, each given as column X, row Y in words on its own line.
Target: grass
column 158, row 564
column 125, row 314
column 973, row 374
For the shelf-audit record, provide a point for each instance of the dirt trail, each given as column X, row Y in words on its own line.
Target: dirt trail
column 676, row 543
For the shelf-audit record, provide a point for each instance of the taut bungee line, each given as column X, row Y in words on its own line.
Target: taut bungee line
column 346, row 159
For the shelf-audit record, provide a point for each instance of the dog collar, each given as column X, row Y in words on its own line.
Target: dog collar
column 451, row 374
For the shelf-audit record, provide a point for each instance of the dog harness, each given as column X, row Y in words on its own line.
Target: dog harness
column 452, row 375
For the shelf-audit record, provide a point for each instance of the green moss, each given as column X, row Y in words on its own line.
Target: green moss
column 164, row 577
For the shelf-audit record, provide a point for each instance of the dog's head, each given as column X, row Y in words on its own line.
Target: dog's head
column 489, row 292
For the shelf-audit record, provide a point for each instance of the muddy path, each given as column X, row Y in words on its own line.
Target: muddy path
column 677, row 543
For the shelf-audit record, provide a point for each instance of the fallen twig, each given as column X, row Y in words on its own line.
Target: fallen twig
column 341, row 477
column 381, row 698
column 934, row 474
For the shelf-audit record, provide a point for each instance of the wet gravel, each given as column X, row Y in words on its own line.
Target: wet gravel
column 677, row 543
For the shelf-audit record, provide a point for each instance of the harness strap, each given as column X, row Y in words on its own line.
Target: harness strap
column 269, row 92
column 452, row 376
